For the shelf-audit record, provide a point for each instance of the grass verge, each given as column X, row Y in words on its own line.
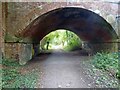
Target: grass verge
column 108, row 62
column 13, row 78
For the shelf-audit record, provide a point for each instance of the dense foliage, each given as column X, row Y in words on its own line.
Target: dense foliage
column 108, row 62
column 61, row 39
column 13, row 78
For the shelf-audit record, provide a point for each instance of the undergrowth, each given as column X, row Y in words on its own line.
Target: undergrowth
column 107, row 62
column 12, row 77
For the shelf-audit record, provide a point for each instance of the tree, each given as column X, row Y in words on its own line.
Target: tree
column 64, row 38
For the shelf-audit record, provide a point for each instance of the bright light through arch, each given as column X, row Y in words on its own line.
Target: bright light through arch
column 61, row 40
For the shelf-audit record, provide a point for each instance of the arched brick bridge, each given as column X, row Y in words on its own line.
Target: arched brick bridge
column 46, row 17
column 86, row 24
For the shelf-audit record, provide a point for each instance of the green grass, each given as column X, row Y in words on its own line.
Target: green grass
column 12, row 77
column 22, row 81
column 10, row 63
column 107, row 62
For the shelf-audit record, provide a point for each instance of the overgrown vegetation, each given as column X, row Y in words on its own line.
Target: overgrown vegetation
column 103, row 69
column 108, row 62
column 13, row 78
column 61, row 39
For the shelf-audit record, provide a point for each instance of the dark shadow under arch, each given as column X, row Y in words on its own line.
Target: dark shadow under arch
column 89, row 26
column 86, row 24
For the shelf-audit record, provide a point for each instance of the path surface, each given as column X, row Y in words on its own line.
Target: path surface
column 60, row 70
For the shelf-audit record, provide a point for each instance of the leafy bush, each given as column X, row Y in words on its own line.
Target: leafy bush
column 9, row 72
column 65, row 39
column 9, row 62
column 108, row 62
column 12, row 78
column 23, row 81
column 74, row 42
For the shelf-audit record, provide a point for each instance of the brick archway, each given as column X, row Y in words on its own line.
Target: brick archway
column 89, row 26
column 42, row 8
column 23, row 15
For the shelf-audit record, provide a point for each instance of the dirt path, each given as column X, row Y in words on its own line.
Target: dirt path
column 60, row 70
column 65, row 70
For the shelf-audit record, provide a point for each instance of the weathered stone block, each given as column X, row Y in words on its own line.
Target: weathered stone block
column 25, row 53
column 18, row 52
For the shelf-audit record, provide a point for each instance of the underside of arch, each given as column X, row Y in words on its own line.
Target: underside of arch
column 86, row 24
